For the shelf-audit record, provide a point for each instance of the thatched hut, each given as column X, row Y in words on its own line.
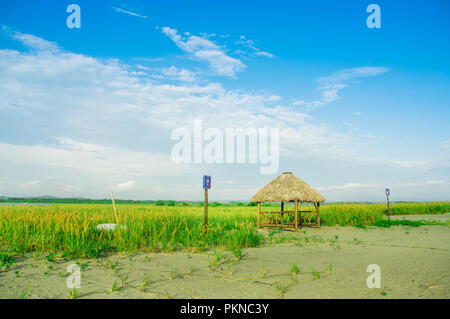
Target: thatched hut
column 288, row 188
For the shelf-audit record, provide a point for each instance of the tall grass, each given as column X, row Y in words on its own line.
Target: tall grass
column 71, row 228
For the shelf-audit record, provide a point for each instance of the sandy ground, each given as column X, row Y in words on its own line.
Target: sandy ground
column 414, row 261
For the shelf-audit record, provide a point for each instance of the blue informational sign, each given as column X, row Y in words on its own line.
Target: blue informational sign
column 206, row 182
column 388, row 192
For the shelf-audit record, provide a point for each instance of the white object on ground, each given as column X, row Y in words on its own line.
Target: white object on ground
column 110, row 226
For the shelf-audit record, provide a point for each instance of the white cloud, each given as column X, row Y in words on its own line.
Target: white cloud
column 148, row 59
column 96, row 97
column 435, row 182
column 32, row 184
column 429, row 182
column 250, row 44
column 174, row 73
column 204, row 49
column 125, row 186
column 348, row 186
column 329, row 86
column 159, row 189
column 34, row 42
column 350, row 74
column 129, row 12
column 409, row 164
column 105, row 161
column 362, row 186
column 266, row 54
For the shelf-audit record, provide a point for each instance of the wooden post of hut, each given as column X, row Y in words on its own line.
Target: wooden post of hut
column 318, row 215
column 317, row 206
column 296, row 215
column 259, row 214
column 288, row 188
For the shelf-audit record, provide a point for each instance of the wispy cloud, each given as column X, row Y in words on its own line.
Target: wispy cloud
column 204, row 49
column 125, row 186
column 429, row 182
column 348, row 186
column 362, row 186
column 174, row 73
column 129, row 12
column 329, row 86
column 147, row 59
column 266, row 54
column 250, row 44
column 32, row 41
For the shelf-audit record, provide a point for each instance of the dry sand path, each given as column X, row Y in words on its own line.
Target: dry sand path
column 414, row 261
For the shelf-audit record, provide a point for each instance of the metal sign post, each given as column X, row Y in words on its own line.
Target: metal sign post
column 388, row 192
column 206, row 186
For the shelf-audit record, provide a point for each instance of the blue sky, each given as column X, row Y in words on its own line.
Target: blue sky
column 87, row 111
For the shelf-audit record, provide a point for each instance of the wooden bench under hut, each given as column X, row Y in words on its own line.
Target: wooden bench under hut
column 288, row 188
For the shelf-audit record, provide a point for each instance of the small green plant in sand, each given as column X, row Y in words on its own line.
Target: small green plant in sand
column 73, row 293
column 124, row 279
column 315, row 273
column 294, row 269
column 383, row 293
column 51, row 257
column 271, row 236
column 112, row 265
column 49, row 270
column 238, row 254
column 230, row 270
column 216, row 261
column 115, row 286
column 144, row 283
column 23, row 295
column 262, row 273
column 173, row 275
column 168, row 295
column 82, row 265
column 191, row 270
column 116, row 272
column 119, row 283
column 280, row 287
column 6, row 260
column 330, row 269
column 17, row 274
column 63, row 274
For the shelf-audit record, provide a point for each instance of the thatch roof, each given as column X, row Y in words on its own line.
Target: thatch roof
column 287, row 187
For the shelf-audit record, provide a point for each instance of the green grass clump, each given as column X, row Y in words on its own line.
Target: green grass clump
column 6, row 260
column 413, row 223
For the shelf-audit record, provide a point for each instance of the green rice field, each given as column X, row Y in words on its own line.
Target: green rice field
column 70, row 229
